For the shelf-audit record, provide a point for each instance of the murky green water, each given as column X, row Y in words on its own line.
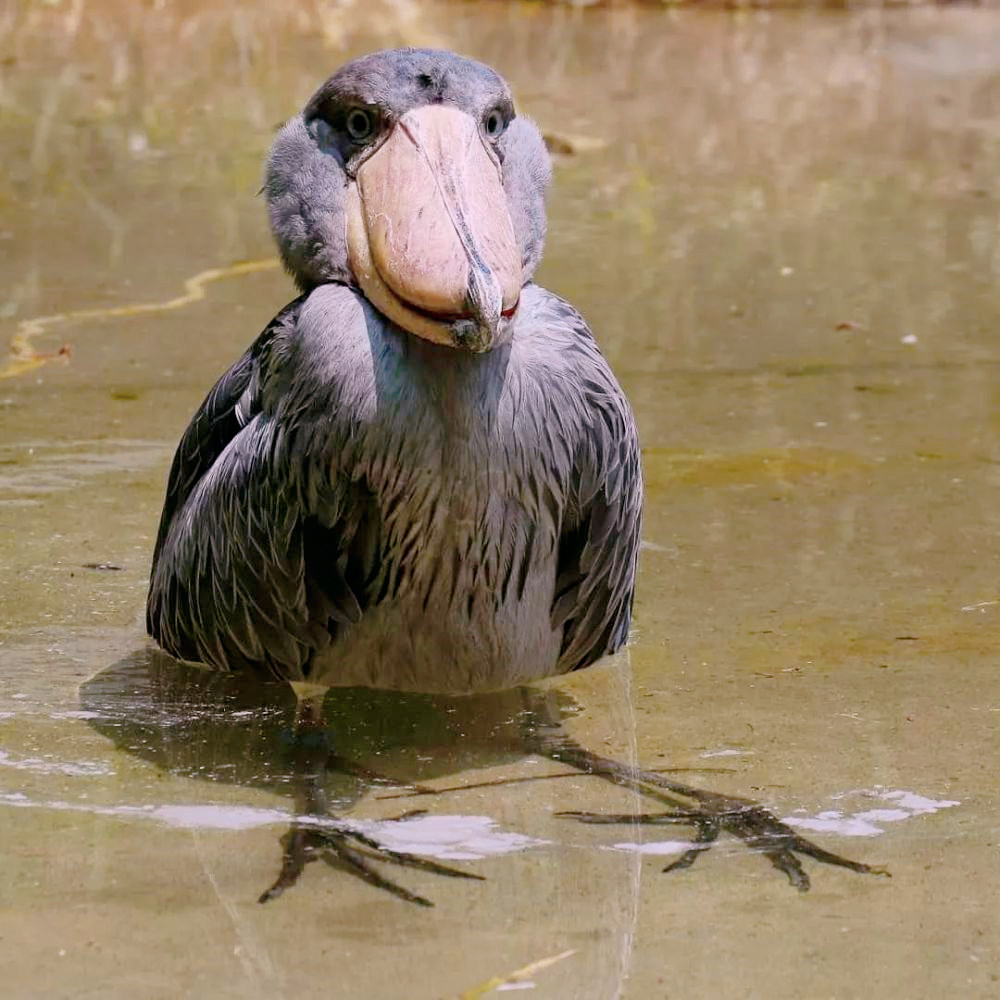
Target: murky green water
column 785, row 230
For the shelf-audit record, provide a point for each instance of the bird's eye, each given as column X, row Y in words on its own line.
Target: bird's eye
column 359, row 124
column 494, row 124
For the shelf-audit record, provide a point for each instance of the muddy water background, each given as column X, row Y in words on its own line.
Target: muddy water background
column 785, row 230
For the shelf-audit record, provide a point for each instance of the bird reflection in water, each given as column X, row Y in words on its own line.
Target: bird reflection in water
column 240, row 730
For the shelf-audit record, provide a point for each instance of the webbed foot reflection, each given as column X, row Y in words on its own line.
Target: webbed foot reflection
column 709, row 813
column 232, row 730
column 325, row 756
column 341, row 846
column 317, row 835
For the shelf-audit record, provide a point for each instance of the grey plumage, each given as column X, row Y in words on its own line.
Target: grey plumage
column 353, row 504
column 423, row 474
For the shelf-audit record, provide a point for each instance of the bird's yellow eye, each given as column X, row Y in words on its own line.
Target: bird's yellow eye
column 359, row 124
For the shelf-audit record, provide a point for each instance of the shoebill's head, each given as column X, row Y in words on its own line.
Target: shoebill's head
column 409, row 176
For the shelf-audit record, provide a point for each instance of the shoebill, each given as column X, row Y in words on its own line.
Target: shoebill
column 423, row 474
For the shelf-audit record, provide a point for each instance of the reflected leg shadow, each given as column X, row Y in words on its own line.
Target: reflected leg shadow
column 239, row 730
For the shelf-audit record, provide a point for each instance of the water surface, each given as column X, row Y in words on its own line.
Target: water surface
column 784, row 229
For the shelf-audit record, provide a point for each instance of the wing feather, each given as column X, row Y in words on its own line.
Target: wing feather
column 599, row 539
column 227, row 408
column 244, row 574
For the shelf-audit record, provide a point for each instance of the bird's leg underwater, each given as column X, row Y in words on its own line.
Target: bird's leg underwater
column 314, row 834
column 710, row 813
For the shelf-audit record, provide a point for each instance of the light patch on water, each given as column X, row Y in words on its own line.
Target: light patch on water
column 834, row 821
column 657, row 846
column 726, row 752
column 979, row 606
column 895, row 804
column 48, row 765
column 456, row 838
column 213, row 817
column 191, row 817
column 43, row 467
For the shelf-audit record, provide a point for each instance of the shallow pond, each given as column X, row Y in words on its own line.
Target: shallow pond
column 784, row 229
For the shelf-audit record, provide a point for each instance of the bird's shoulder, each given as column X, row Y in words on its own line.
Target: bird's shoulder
column 556, row 341
column 560, row 354
column 227, row 408
column 323, row 363
column 548, row 320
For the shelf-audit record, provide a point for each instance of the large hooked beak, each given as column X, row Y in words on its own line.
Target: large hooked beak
column 429, row 235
